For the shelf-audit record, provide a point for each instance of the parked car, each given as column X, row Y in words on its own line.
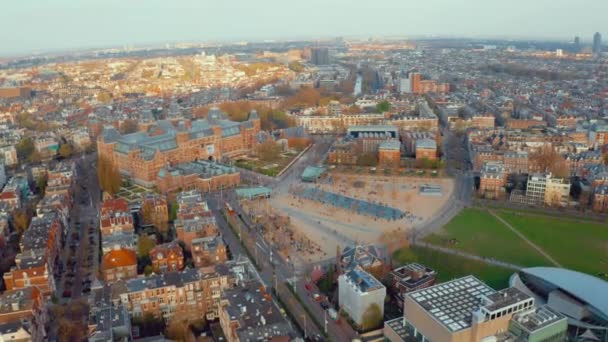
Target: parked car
column 333, row 314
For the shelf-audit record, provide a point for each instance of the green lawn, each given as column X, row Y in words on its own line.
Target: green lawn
column 477, row 232
column 578, row 245
column 450, row 266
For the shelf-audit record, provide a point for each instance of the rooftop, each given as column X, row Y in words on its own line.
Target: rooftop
column 413, row 274
column 203, row 168
column 452, row 303
column 118, row 258
column 176, row 279
column 504, row 298
column 390, row 145
column 359, row 255
column 584, row 287
column 312, row 172
column 363, row 281
column 258, row 318
column 538, row 319
column 426, row 143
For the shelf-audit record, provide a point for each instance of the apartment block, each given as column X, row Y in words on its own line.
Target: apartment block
column 357, row 291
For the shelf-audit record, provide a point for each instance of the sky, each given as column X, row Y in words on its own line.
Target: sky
column 28, row 26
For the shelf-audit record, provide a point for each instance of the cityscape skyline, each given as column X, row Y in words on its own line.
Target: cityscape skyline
column 112, row 23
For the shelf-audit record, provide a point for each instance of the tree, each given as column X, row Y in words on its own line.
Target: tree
column 67, row 330
column 25, row 148
column 305, row 97
column 21, row 220
column 35, row 157
column 148, row 270
column 269, row 150
column 149, row 324
column 326, row 284
column 104, row 97
column 296, row 66
column 547, row 159
column 144, row 245
column 383, row 106
column 41, row 182
column 108, row 176
column 151, row 216
column 66, row 150
column 128, row 126
column 178, row 329
column 173, row 211
column 372, row 317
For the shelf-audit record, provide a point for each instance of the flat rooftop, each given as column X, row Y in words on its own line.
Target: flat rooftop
column 538, row 319
column 452, row 303
column 362, row 280
column 413, row 274
column 504, row 298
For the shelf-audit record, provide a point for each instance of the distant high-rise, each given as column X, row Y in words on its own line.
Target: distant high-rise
column 597, row 43
column 577, row 44
column 319, row 56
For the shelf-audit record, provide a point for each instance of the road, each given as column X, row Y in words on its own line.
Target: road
column 458, row 165
column 80, row 258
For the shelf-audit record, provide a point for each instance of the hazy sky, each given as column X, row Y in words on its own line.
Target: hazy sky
column 42, row 25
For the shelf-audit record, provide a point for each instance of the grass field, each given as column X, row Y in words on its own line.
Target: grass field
column 477, row 232
column 450, row 266
column 579, row 245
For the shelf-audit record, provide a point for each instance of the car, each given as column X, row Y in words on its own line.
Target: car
column 308, row 286
column 317, row 297
column 325, row 305
column 67, row 293
column 87, row 289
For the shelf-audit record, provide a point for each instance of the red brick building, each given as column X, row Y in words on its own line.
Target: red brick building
column 119, row 264
column 389, row 154
column 426, row 149
column 167, row 257
column 115, row 217
column 208, row 251
column 142, row 155
column 600, row 198
column 492, row 180
column 420, row 86
column 201, row 175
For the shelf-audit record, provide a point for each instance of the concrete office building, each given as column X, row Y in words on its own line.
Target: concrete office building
column 597, row 43
column 460, row 310
column 319, row 56
column 357, row 291
column 543, row 188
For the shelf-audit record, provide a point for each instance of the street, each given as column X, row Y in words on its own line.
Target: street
column 80, row 257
